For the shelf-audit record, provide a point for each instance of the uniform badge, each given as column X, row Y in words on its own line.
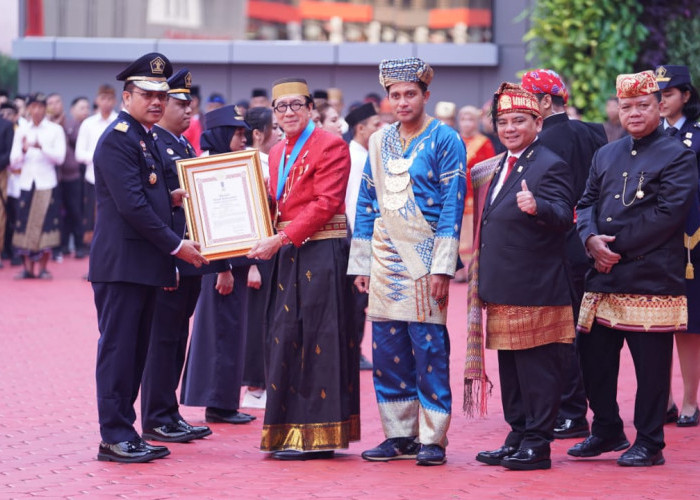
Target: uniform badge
column 688, row 135
column 688, row 142
column 143, row 145
column 121, row 126
column 152, row 178
column 170, row 151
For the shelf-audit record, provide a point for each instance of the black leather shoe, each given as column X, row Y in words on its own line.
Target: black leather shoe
column 689, row 421
column 431, row 454
column 217, row 415
column 129, row 452
column 401, row 448
column 302, row 455
column 528, row 459
column 640, row 456
column 157, row 448
column 593, row 446
column 571, row 428
column 200, row 431
column 173, row 432
column 672, row 414
column 494, row 457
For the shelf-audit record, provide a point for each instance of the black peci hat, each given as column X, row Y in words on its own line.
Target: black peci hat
column 361, row 113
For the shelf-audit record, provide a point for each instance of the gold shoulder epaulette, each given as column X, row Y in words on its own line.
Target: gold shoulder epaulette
column 121, row 126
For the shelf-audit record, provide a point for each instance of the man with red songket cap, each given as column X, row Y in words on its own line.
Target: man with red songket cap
column 523, row 279
column 575, row 141
column 631, row 220
column 311, row 351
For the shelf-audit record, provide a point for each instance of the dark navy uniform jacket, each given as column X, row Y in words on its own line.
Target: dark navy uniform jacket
column 133, row 234
column 522, row 257
column 648, row 230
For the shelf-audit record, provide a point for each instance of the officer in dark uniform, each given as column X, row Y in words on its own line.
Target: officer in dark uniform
column 575, row 142
column 160, row 418
column 132, row 253
column 631, row 219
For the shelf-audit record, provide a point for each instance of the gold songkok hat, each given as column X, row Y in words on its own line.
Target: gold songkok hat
column 290, row 86
column 512, row 98
column 411, row 69
column 637, row 84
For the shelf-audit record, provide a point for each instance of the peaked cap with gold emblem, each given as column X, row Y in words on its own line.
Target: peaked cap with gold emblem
column 149, row 72
column 672, row 76
column 180, row 84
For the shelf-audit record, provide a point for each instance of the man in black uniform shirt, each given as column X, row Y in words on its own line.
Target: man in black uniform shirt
column 575, row 142
column 631, row 219
column 132, row 253
column 160, row 418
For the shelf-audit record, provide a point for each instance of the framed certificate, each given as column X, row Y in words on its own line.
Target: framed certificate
column 227, row 209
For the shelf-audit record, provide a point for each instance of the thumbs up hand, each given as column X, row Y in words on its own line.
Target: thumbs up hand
column 526, row 200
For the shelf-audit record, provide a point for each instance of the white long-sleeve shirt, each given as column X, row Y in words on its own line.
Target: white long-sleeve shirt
column 38, row 165
column 90, row 131
column 358, row 158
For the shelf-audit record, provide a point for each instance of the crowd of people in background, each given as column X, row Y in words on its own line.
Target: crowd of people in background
column 578, row 276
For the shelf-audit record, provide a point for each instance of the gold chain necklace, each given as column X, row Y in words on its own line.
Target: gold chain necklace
column 638, row 195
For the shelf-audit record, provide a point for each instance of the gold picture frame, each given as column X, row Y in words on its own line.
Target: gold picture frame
column 227, row 210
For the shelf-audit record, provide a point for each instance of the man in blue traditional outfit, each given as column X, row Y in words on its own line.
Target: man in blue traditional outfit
column 409, row 214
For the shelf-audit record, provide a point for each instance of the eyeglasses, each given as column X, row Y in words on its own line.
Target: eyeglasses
column 149, row 96
column 283, row 107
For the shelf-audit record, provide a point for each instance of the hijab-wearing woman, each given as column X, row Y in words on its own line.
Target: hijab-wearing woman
column 214, row 366
column 680, row 109
column 263, row 134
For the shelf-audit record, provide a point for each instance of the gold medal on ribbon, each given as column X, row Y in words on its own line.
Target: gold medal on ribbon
column 152, row 178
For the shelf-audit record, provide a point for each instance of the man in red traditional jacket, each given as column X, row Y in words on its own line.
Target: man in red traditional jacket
column 311, row 352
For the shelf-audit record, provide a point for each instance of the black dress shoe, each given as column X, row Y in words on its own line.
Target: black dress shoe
column 689, row 421
column 641, row 456
column 173, row 432
column 593, row 446
column 494, row 457
column 129, row 452
column 400, row 448
column 303, row 455
column 220, row 416
column 157, row 448
column 571, row 428
column 199, row 430
column 672, row 414
column 528, row 459
column 431, row 454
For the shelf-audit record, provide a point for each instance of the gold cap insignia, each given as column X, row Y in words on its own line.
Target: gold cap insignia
column 157, row 66
column 188, row 80
column 661, row 74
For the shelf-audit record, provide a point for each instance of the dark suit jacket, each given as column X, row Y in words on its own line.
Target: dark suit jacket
column 575, row 142
column 7, row 133
column 648, row 231
column 133, row 232
column 522, row 257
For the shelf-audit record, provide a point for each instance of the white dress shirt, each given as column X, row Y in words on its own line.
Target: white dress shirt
column 90, row 131
column 38, row 165
column 358, row 158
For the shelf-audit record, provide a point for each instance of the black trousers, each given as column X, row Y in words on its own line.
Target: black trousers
column 71, row 201
column 531, row 385
column 652, row 354
column 166, row 352
column 124, row 318
column 573, row 398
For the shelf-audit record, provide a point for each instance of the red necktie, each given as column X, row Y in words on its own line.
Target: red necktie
column 512, row 160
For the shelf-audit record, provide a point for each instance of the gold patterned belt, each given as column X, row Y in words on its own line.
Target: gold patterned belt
column 336, row 227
